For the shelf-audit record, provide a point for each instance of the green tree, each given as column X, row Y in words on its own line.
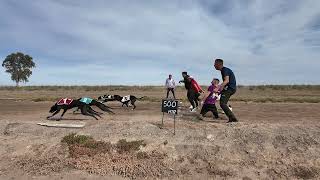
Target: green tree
column 19, row 66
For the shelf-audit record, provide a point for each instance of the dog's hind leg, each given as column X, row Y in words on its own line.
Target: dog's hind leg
column 90, row 110
column 93, row 111
column 100, row 113
column 133, row 104
column 103, row 107
column 84, row 111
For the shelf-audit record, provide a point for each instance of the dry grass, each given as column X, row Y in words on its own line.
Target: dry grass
column 260, row 94
column 278, row 93
column 76, row 142
column 122, row 158
column 124, row 146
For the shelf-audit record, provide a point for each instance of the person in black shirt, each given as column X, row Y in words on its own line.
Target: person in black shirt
column 228, row 87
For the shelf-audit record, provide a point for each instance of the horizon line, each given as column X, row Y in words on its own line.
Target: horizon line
column 146, row 85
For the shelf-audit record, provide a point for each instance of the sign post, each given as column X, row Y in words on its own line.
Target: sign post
column 162, row 119
column 174, row 124
column 170, row 106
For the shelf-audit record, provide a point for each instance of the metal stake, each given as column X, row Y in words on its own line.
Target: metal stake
column 174, row 124
column 162, row 119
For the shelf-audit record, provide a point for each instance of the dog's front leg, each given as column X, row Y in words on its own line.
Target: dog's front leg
column 64, row 111
column 85, row 111
column 57, row 111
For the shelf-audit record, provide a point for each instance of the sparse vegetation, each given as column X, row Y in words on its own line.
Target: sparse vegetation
column 148, row 88
column 85, row 145
column 41, row 99
column 122, row 158
column 305, row 173
column 142, row 155
column 124, row 146
column 75, row 142
column 73, row 138
column 259, row 94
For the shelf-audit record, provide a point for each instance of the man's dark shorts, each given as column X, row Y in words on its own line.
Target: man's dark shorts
column 209, row 108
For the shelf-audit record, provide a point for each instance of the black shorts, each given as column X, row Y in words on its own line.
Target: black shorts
column 209, row 107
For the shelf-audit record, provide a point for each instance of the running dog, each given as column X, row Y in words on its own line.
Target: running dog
column 125, row 100
column 85, row 108
column 93, row 102
column 106, row 98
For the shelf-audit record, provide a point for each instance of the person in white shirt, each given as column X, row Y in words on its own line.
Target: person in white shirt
column 170, row 85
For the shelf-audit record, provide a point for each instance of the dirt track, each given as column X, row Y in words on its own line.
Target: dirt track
column 272, row 141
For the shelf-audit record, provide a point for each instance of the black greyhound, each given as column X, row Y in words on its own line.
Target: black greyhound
column 67, row 104
column 93, row 102
column 125, row 100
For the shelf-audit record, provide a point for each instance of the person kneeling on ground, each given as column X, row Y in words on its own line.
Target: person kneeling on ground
column 210, row 99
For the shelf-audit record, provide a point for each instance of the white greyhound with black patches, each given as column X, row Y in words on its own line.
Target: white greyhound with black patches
column 125, row 100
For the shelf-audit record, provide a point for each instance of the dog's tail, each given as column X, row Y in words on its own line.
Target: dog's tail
column 142, row 97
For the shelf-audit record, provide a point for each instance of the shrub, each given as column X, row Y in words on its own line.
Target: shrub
column 76, row 139
column 125, row 146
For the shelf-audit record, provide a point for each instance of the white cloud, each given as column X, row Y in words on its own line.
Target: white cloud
column 121, row 42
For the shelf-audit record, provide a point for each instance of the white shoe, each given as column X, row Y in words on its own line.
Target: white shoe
column 193, row 110
column 191, row 107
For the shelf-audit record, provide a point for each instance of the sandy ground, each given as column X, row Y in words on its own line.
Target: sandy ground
column 271, row 141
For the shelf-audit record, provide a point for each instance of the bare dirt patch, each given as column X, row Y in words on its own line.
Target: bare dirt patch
column 271, row 141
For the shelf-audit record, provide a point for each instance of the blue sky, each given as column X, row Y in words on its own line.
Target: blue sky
column 105, row 42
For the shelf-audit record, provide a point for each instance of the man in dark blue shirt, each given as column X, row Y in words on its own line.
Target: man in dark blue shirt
column 228, row 88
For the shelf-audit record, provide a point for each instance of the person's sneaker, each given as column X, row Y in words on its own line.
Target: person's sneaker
column 193, row 110
column 191, row 107
column 221, row 111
